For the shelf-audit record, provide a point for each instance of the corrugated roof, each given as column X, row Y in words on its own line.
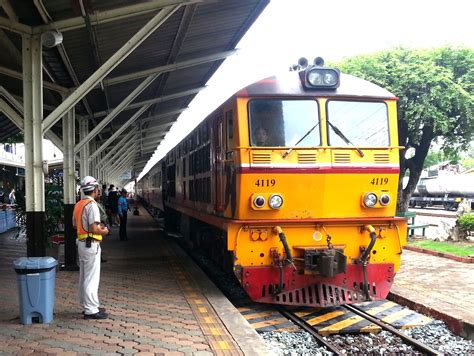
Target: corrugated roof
column 196, row 30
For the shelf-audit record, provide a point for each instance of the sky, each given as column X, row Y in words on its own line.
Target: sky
column 336, row 29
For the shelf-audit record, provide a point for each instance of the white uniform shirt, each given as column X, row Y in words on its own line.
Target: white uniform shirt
column 90, row 215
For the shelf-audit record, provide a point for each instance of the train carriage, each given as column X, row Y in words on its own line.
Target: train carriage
column 294, row 177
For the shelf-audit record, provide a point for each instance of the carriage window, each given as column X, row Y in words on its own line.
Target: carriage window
column 284, row 123
column 362, row 123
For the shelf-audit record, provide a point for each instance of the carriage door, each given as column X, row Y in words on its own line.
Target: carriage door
column 219, row 164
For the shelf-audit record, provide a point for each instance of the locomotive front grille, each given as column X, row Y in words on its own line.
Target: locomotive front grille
column 342, row 158
column 318, row 295
column 381, row 158
column 261, row 157
column 307, row 158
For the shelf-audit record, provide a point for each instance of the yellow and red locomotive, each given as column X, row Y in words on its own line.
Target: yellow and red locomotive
column 296, row 176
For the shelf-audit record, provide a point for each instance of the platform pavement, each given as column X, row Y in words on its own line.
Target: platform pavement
column 157, row 299
column 438, row 286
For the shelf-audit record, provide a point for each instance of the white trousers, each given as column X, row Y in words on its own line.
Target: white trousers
column 89, row 276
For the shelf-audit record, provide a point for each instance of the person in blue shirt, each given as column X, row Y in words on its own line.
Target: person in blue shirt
column 123, row 208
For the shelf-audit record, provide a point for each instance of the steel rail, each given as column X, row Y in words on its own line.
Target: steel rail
column 409, row 340
column 308, row 328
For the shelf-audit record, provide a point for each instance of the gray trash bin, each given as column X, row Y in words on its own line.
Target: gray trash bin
column 36, row 277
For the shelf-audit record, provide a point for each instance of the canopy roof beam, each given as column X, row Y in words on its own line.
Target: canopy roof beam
column 126, row 125
column 105, row 16
column 169, row 68
column 121, row 145
column 119, row 131
column 18, row 75
column 157, row 100
column 11, row 102
column 108, row 66
column 113, row 114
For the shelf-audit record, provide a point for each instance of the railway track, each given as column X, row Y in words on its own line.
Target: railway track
column 407, row 339
column 303, row 324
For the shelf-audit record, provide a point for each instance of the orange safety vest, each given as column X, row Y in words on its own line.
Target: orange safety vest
column 82, row 234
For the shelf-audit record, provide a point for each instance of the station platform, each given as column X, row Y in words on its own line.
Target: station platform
column 158, row 301
column 439, row 287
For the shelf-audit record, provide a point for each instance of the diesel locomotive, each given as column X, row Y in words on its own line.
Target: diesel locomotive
column 292, row 182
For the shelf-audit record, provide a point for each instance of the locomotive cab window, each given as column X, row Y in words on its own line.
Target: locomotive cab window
column 284, row 123
column 358, row 123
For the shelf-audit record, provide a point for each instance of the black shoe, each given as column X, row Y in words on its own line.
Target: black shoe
column 100, row 310
column 99, row 315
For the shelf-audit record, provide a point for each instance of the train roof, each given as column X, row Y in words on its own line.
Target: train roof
column 289, row 84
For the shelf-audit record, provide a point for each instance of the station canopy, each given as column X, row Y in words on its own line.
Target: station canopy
column 140, row 99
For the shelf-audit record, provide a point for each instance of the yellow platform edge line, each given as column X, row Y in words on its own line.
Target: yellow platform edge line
column 215, row 331
column 208, row 320
column 223, row 345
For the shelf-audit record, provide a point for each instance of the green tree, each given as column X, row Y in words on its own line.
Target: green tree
column 435, row 88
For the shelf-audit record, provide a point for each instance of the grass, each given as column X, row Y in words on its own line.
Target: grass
column 454, row 248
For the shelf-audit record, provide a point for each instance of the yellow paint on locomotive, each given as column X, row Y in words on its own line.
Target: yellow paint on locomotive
column 251, row 249
column 315, row 195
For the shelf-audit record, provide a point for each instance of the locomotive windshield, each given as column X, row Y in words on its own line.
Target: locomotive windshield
column 283, row 123
column 362, row 123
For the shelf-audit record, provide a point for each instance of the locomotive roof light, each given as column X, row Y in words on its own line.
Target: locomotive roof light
column 370, row 199
column 316, row 76
column 319, row 62
column 275, row 201
column 259, row 201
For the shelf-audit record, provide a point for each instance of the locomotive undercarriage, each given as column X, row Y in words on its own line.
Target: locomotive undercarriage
column 301, row 272
column 263, row 284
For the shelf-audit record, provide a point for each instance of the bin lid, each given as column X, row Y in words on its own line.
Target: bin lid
column 35, row 263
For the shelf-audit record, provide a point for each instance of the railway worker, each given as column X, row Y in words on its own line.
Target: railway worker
column 261, row 137
column 123, row 209
column 86, row 220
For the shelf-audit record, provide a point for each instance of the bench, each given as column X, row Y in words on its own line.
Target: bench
column 411, row 227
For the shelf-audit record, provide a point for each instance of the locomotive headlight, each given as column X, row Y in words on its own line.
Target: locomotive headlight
column 321, row 78
column 384, row 199
column 315, row 77
column 370, row 199
column 259, row 201
column 330, row 78
column 275, row 201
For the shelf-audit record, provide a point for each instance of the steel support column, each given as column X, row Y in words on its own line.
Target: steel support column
column 84, row 153
column 69, row 189
column 33, row 112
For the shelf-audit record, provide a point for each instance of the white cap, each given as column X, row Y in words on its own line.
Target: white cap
column 88, row 184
